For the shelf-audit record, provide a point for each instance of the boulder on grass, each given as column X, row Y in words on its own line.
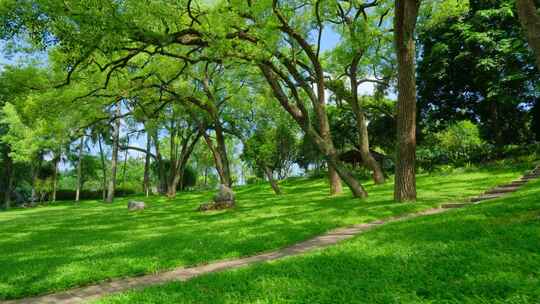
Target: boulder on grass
column 225, row 194
column 224, row 199
column 134, row 205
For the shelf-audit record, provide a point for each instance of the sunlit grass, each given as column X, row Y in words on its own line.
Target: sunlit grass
column 488, row 253
column 66, row 245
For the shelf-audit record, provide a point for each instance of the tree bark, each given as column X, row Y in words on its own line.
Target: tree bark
column 271, row 180
column 114, row 158
column 406, row 12
column 218, row 161
column 56, row 160
column 79, row 170
column 530, row 21
column 125, row 164
column 146, row 180
column 35, row 172
column 103, row 168
column 363, row 136
column 178, row 166
column 8, row 177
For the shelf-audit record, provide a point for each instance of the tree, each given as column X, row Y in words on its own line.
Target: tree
column 530, row 20
column 115, row 148
column 406, row 12
column 475, row 65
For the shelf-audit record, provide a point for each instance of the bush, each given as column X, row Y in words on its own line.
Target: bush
column 69, row 195
column 457, row 145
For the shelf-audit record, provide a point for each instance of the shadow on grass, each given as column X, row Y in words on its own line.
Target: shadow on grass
column 58, row 247
column 483, row 254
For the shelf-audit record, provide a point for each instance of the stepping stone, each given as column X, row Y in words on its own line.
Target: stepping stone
column 455, row 205
column 502, row 190
column 512, row 185
column 518, row 182
column 486, row 197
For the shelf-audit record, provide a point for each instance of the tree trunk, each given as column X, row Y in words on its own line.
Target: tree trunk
column 406, row 12
column 35, row 173
column 114, row 158
column 223, row 178
column 79, row 170
column 530, row 21
column 8, row 177
column 103, row 168
column 272, row 181
column 325, row 146
column 222, row 149
column 363, row 136
column 162, row 179
column 367, row 157
column 56, row 160
column 324, row 131
column 125, row 164
column 146, row 180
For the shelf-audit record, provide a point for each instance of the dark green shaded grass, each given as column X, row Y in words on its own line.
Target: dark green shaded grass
column 65, row 245
column 487, row 253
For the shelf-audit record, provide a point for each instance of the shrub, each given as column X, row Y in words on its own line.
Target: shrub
column 69, row 195
column 457, row 145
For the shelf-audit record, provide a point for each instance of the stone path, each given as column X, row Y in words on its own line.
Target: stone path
column 93, row 292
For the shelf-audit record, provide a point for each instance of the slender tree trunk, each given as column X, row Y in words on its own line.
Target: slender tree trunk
column 223, row 178
column 363, row 136
column 35, row 172
column 324, row 130
column 125, row 165
column 222, row 150
column 103, row 168
column 146, row 180
column 8, row 177
column 406, row 12
column 79, row 170
column 162, row 179
column 114, row 158
column 56, row 160
column 530, row 21
column 271, row 180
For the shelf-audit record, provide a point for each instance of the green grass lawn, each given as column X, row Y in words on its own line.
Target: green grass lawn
column 487, row 253
column 66, row 245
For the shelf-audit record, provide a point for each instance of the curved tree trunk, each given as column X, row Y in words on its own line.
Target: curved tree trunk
column 300, row 115
column 224, row 178
column 363, row 136
column 79, row 170
column 271, row 180
column 530, row 21
column 114, row 158
column 406, row 12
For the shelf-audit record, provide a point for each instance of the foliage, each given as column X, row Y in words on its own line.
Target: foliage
column 476, row 66
column 457, row 145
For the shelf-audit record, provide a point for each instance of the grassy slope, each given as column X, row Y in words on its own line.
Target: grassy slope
column 58, row 247
column 487, row 253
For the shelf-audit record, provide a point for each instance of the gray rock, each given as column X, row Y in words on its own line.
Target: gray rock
column 225, row 194
column 134, row 205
